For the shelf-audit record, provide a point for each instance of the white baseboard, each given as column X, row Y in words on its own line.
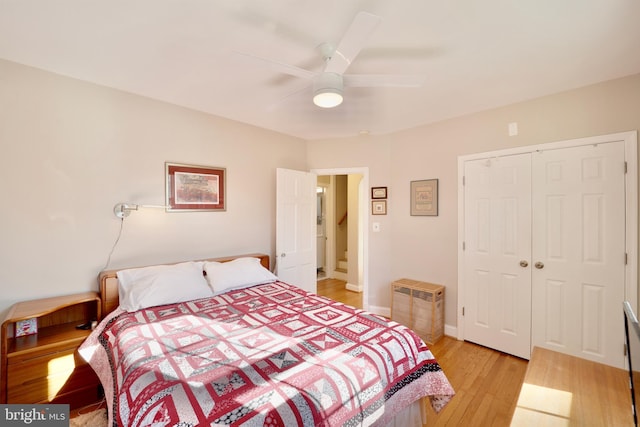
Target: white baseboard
column 354, row 288
column 451, row 331
column 381, row 311
column 339, row 275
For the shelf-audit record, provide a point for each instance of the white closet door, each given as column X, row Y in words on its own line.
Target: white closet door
column 498, row 252
column 579, row 251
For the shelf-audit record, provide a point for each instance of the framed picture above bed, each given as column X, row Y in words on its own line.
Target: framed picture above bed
column 195, row 188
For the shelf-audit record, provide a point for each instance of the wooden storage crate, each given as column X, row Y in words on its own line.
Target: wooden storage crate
column 419, row 306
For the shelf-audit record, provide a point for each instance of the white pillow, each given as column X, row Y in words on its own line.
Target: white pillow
column 239, row 273
column 161, row 284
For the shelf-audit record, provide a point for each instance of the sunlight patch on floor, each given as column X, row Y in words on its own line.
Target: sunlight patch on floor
column 542, row 406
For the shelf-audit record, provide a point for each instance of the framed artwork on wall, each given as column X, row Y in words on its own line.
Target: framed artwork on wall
column 379, row 207
column 378, row 192
column 195, row 188
column 424, row 197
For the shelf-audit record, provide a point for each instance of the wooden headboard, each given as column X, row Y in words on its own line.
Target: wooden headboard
column 108, row 280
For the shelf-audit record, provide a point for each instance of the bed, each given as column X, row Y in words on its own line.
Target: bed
column 251, row 350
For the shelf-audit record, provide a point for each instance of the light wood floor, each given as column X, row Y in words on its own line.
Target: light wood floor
column 487, row 382
column 334, row 289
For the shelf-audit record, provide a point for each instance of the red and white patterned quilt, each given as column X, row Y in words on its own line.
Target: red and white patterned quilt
column 269, row 355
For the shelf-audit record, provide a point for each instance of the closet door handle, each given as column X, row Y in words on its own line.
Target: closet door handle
column 539, row 265
column 524, row 263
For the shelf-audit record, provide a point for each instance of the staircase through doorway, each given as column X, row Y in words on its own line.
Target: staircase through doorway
column 342, row 263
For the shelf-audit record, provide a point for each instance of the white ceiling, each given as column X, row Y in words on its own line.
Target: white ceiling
column 474, row 55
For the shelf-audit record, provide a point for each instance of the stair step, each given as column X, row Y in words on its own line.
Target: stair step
column 342, row 264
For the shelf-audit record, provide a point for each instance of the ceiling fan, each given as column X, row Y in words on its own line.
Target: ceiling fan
column 329, row 84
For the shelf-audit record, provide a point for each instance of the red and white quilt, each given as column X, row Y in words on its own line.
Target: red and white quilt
column 268, row 355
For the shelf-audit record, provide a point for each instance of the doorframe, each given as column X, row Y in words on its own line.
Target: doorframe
column 630, row 139
column 363, row 219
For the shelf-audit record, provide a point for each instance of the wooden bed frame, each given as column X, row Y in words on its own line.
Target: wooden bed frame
column 108, row 280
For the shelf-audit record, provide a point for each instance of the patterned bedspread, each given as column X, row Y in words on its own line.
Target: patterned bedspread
column 269, row 355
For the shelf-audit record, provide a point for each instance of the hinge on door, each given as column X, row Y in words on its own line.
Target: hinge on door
column 464, row 246
column 463, row 311
column 625, row 167
column 463, row 180
column 625, row 350
column 626, row 258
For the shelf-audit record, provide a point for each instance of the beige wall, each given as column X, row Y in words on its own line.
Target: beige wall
column 71, row 150
column 425, row 248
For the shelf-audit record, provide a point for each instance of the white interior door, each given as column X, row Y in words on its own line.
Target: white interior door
column 497, row 308
column 579, row 251
column 565, row 226
column 296, row 228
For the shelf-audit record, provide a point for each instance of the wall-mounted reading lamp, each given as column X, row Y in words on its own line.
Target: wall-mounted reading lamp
column 123, row 210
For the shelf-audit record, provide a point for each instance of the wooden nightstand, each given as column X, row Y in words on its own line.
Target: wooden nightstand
column 46, row 367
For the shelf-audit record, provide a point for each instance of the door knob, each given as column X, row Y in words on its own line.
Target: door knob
column 539, row 265
column 523, row 263
column 282, row 255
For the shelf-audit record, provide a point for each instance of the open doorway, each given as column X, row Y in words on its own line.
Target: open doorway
column 342, row 222
column 321, row 226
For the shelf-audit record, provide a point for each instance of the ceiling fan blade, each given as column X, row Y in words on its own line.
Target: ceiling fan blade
column 273, row 106
column 352, row 42
column 383, row 80
column 280, row 67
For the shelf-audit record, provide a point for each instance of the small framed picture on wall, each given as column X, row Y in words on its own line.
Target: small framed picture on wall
column 379, row 207
column 378, row 192
column 424, row 197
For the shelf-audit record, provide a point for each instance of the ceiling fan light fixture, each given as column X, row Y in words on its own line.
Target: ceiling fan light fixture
column 327, row 97
column 327, row 91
